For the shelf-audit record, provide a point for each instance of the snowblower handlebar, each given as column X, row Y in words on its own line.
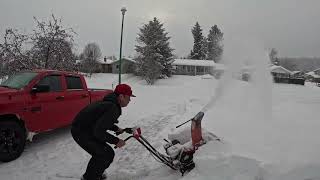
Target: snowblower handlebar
column 127, row 130
column 135, row 131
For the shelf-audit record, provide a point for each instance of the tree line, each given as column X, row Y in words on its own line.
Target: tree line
column 50, row 46
column 210, row 47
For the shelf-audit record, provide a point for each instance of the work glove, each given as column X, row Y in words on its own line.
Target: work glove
column 127, row 130
column 120, row 143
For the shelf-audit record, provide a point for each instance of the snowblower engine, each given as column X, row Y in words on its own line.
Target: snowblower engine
column 182, row 157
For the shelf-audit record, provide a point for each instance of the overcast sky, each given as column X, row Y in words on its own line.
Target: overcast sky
column 290, row 26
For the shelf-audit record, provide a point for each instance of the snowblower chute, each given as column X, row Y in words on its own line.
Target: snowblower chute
column 196, row 131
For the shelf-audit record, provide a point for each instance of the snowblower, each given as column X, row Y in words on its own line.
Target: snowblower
column 178, row 156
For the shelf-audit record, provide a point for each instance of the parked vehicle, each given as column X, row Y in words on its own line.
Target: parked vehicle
column 36, row 101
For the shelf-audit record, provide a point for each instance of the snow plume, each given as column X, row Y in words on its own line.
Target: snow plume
column 219, row 90
column 250, row 58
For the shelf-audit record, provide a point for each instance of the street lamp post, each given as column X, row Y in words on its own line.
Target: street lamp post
column 123, row 10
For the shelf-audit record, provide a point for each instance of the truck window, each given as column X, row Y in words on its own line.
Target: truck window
column 54, row 81
column 19, row 80
column 73, row 82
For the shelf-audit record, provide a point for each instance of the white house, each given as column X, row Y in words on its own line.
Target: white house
column 313, row 76
column 196, row 67
column 280, row 72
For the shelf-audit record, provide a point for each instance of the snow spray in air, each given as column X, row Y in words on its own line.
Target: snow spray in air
column 256, row 95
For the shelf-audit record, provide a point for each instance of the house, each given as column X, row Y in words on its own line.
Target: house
column 317, row 71
column 283, row 75
column 105, row 65
column 312, row 77
column 196, row 67
column 280, row 72
column 112, row 66
column 298, row 74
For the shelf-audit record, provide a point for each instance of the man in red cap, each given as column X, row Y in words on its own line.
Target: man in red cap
column 90, row 126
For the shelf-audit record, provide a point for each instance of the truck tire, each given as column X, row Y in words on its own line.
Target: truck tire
column 12, row 140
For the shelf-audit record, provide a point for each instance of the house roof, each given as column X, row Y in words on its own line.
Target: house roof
column 107, row 61
column 192, row 62
column 111, row 61
column 280, row 69
column 311, row 73
column 123, row 58
column 294, row 72
column 316, row 70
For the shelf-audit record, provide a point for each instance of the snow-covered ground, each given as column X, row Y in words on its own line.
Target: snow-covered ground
column 267, row 133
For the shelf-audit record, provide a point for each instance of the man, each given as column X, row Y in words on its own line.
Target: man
column 89, row 130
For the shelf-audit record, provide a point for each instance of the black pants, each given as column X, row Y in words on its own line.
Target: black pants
column 102, row 154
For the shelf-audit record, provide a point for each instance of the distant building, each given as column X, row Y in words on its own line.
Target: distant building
column 105, row 65
column 280, row 72
column 313, row 76
column 196, row 67
column 298, row 74
column 317, row 71
column 283, row 75
column 112, row 66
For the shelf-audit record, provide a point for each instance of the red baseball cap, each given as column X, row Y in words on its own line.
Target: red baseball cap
column 124, row 89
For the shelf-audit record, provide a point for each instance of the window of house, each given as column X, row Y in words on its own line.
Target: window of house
column 200, row 69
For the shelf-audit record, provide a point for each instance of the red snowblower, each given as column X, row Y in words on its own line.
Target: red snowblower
column 178, row 156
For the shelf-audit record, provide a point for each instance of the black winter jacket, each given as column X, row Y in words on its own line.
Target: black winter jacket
column 94, row 120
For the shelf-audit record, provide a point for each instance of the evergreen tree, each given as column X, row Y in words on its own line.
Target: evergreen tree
column 199, row 50
column 214, row 44
column 154, row 53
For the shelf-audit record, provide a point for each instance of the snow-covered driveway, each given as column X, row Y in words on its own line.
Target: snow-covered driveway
column 284, row 147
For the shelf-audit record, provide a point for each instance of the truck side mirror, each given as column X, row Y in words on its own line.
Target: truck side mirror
column 40, row 88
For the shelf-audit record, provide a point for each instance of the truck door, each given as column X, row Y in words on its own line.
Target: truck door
column 76, row 97
column 44, row 109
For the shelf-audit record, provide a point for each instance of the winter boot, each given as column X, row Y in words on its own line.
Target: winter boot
column 102, row 177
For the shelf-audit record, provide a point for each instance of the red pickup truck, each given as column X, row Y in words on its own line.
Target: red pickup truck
column 36, row 101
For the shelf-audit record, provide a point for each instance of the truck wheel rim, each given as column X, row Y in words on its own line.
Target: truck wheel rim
column 9, row 141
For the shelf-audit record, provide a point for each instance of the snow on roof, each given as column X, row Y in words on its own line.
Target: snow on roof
column 192, row 62
column 124, row 58
column 294, row 72
column 103, row 61
column 316, row 70
column 280, row 69
column 129, row 59
column 311, row 73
